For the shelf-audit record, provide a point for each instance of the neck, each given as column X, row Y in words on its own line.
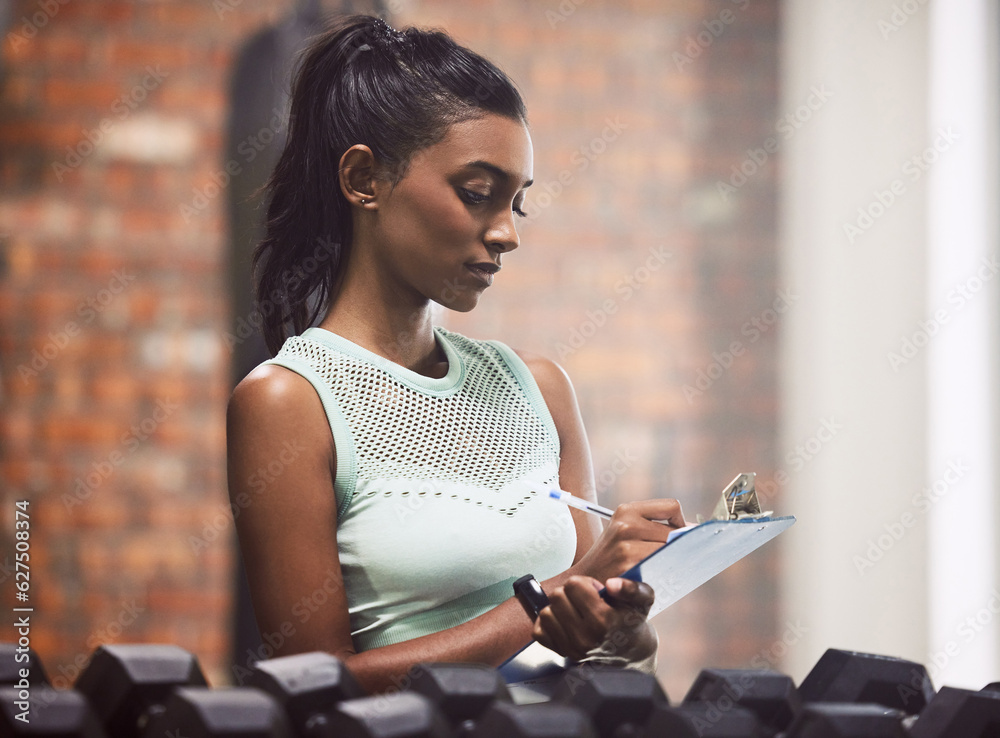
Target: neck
column 385, row 325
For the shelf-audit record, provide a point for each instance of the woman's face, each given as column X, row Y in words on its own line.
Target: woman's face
column 440, row 232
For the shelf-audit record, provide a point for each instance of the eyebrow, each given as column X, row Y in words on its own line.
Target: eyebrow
column 503, row 174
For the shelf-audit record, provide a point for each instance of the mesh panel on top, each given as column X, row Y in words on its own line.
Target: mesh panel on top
column 481, row 432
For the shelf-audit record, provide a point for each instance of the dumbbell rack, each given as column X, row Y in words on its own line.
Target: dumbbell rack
column 159, row 691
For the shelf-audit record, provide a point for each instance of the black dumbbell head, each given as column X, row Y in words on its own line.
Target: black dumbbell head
column 127, row 684
column 959, row 712
column 43, row 712
column 14, row 658
column 307, row 685
column 611, row 697
column 770, row 695
column 399, row 715
column 234, row 712
column 539, row 720
column 704, row 720
column 461, row 691
column 847, row 720
column 847, row 676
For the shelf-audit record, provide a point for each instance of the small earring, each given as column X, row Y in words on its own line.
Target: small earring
column 364, row 202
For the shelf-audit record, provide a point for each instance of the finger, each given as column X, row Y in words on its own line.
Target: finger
column 549, row 631
column 573, row 607
column 652, row 517
column 636, row 595
column 591, row 613
column 666, row 511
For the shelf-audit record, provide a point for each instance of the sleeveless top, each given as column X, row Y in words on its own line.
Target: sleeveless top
column 435, row 513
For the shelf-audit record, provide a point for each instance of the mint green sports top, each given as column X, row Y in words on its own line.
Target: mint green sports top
column 435, row 517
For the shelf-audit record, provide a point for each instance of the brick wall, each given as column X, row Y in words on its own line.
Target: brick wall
column 637, row 272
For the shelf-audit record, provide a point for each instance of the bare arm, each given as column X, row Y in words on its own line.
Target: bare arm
column 282, row 463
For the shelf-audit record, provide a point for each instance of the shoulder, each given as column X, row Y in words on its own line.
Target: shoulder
column 277, row 399
column 270, row 387
column 551, row 378
column 556, row 389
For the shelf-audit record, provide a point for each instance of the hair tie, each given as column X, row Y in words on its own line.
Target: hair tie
column 383, row 32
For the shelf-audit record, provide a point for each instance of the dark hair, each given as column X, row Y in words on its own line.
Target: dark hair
column 360, row 82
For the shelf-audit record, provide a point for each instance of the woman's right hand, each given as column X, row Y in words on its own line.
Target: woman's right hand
column 634, row 532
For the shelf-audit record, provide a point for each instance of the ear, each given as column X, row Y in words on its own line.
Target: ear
column 357, row 175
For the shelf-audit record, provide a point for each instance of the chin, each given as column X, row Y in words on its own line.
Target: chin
column 461, row 305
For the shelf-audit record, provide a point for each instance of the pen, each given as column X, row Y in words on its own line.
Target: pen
column 595, row 509
column 580, row 504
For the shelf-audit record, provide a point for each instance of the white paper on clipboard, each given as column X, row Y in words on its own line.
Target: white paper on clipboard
column 674, row 570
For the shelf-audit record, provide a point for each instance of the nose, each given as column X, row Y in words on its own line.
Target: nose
column 502, row 233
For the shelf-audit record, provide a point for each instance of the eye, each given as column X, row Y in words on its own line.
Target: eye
column 471, row 197
column 477, row 198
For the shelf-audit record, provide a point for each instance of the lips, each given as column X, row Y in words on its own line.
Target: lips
column 484, row 271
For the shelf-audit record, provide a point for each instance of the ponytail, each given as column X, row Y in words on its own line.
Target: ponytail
column 361, row 82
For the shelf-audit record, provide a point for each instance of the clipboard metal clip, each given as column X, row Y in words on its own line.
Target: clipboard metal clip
column 739, row 500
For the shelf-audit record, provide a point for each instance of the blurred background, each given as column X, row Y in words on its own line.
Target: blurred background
column 762, row 237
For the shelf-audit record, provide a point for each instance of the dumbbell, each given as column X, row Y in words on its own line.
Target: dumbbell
column 397, row 715
column 851, row 677
column 44, row 712
column 539, row 720
column 769, row 695
column 841, row 720
column 960, row 712
column 231, row 712
column 462, row 692
column 128, row 684
column 704, row 720
column 17, row 663
column 615, row 699
column 307, row 686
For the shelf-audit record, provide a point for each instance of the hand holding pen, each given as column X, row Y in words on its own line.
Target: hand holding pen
column 634, row 530
column 577, row 617
column 594, row 509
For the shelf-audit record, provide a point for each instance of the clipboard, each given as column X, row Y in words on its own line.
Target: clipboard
column 677, row 568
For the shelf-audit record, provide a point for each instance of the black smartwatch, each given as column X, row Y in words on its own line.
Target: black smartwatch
column 531, row 595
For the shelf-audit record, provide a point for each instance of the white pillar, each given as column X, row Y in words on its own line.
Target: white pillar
column 853, row 240
column 961, row 467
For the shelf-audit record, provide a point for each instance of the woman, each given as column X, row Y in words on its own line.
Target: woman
column 405, row 461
